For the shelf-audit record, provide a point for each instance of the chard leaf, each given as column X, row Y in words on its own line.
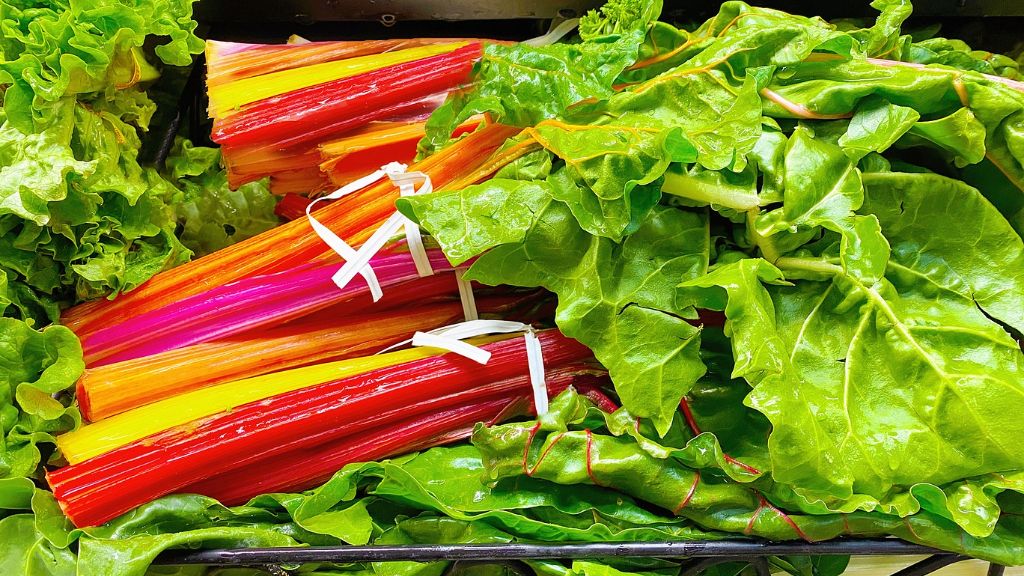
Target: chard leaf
column 983, row 261
column 823, row 188
column 769, row 158
column 737, row 288
column 957, row 54
column 575, row 454
column 873, row 400
column 469, row 222
column 522, row 85
column 837, row 87
column 960, row 134
column 617, row 298
column 875, row 126
column 610, row 169
column 1003, row 189
column 884, row 36
column 722, row 118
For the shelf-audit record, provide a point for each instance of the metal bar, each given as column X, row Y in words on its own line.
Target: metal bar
column 930, row 564
column 996, row 569
column 434, row 552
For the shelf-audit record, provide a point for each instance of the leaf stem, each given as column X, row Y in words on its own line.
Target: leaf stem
column 691, row 188
column 768, row 249
column 815, row 265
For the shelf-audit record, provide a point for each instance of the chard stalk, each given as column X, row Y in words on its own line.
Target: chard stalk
column 764, row 243
column 111, row 483
column 686, row 186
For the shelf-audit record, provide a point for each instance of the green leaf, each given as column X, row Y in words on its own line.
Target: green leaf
column 567, row 450
column 823, row 188
column 471, row 221
column 211, row 214
column 875, row 126
column 883, row 37
column 609, row 171
column 55, row 50
column 618, row 299
column 722, row 190
column 619, row 17
column 522, row 85
column 960, row 134
column 26, row 552
column 34, row 169
column 874, row 398
column 720, row 116
column 737, row 288
column 33, row 366
column 983, row 262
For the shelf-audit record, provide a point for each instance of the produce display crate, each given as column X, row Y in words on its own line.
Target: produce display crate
column 992, row 24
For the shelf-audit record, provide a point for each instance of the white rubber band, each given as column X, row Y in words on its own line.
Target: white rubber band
column 474, row 353
column 389, row 228
column 469, row 310
column 535, row 363
column 368, row 250
column 413, row 238
column 556, row 33
column 340, row 247
column 450, row 338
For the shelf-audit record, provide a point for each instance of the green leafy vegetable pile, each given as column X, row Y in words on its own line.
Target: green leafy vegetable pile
column 851, row 199
column 80, row 218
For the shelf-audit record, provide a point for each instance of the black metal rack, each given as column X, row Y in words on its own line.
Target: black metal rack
column 697, row 557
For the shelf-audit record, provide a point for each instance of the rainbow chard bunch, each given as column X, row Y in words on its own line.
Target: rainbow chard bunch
column 850, row 199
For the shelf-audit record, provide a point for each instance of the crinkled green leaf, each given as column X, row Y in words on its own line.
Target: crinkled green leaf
column 33, row 366
column 34, row 170
column 619, row 17
column 50, row 50
column 211, row 215
column 522, row 85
